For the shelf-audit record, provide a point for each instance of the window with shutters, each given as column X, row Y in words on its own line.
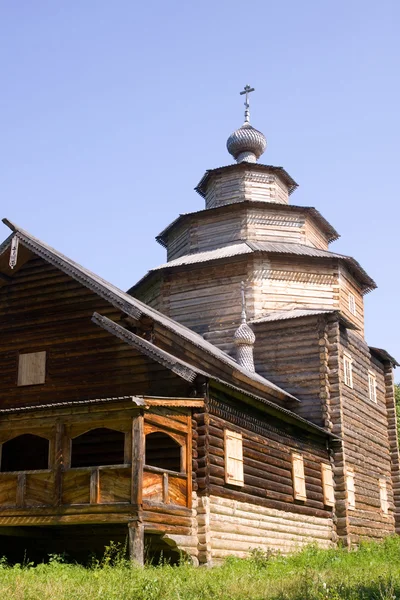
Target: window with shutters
column 372, row 386
column 383, row 496
column 327, row 485
column 31, row 368
column 233, row 458
column 352, row 303
column 351, row 494
column 348, row 370
column 299, row 481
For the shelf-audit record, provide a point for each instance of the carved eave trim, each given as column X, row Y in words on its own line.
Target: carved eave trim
column 147, row 348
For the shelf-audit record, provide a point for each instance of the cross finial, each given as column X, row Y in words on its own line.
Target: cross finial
column 247, row 90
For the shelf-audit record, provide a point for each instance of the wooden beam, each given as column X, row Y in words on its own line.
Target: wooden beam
column 136, row 542
column 138, row 450
column 5, row 278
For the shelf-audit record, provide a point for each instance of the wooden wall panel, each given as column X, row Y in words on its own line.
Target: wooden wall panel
column 267, row 461
column 288, row 354
column 44, row 310
column 114, row 485
column 366, row 441
column 39, row 489
column 347, row 284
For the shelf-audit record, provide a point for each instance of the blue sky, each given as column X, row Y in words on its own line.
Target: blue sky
column 110, row 112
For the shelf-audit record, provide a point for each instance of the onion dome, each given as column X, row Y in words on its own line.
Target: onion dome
column 246, row 144
column 244, row 339
column 244, row 335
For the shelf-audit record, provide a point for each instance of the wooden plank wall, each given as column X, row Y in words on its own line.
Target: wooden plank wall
column 294, row 282
column 267, row 500
column 287, row 352
column 347, row 284
column 239, row 185
column 366, row 440
column 205, row 298
column 43, row 309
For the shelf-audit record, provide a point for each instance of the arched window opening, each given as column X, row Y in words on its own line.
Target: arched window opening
column 98, row 447
column 163, row 451
column 26, row 452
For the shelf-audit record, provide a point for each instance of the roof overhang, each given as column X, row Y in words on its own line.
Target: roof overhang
column 384, row 356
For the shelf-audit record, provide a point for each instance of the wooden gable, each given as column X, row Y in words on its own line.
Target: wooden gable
column 44, row 310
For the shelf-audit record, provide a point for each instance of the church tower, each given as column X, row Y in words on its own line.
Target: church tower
column 305, row 316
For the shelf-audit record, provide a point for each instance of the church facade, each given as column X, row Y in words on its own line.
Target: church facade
column 228, row 401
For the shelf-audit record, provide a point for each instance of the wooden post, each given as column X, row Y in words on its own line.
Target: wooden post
column 136, row 541
column 137, row 460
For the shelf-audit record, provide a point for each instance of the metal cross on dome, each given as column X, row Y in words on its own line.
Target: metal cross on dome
column 247, row 90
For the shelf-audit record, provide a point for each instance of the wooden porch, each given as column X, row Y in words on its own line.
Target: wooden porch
column 108, row 461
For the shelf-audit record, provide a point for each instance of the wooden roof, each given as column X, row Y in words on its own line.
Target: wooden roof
column 136, row 309
column 325, row 226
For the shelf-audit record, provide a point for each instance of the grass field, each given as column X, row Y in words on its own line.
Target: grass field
column 371, row 572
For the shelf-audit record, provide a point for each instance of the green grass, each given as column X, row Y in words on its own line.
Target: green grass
column 371, row 572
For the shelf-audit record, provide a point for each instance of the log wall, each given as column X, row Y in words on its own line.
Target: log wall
column 262, row 513
column 287, row 352
column 365, row 435
column 44, row 310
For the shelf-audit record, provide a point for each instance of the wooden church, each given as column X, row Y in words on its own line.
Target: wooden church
column 227, row 401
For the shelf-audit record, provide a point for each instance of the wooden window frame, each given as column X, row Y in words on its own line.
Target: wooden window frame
column 383, row 496
column 31, row 368
column 348, row 370
column 352, row 304
column 298, row 476
column 328, row 484
column 372, row 387
column 350, row 488
column 233, row 458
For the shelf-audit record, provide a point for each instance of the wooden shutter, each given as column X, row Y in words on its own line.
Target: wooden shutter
column 32, row 368
column 327, row 485
column 372, row 386
column 299, row 481
column 383, row 495
column 233, row 458
column 351, row 495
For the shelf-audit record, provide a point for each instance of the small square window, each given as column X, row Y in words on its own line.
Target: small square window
column 372, row 386
column 32, row 368
column 348, row 370
column 352, row 303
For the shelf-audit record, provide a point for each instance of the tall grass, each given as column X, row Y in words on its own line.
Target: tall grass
column 371, row 572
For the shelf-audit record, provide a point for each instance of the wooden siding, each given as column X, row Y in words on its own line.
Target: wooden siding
column 347, row 284
column 44, row 310
column 231, row 187
column 294, row 282
column 366, row 441
column 287, row 353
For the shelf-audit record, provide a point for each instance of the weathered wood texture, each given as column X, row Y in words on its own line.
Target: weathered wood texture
column 261, row 223
column 348, row 285
column 245, row 184
column 44, row 310
column 267, row 459
column 229, row 527
column 289, row 356
column 365, row 433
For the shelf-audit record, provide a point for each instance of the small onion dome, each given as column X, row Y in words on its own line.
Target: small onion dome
column 246, row 144
column 244, row 335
